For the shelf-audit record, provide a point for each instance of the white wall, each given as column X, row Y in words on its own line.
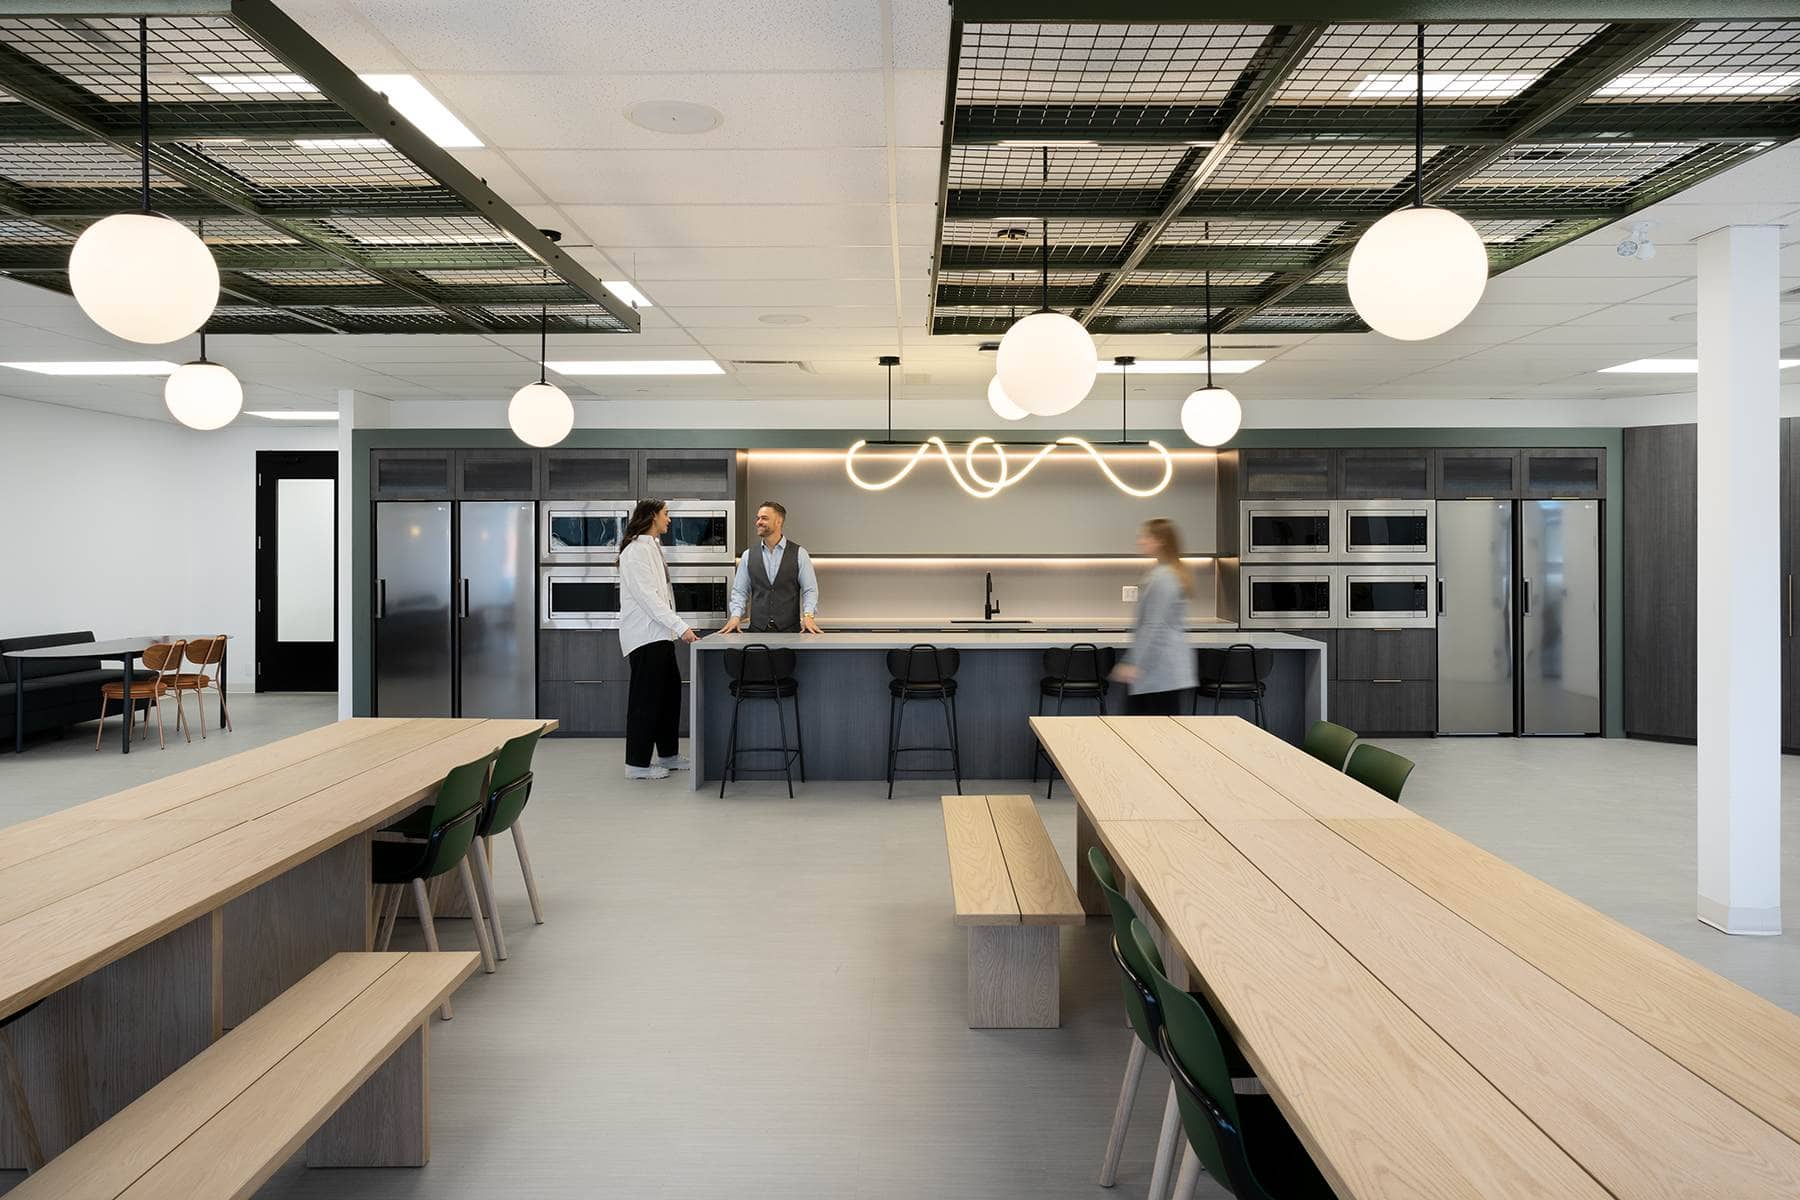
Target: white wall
column 132, row 527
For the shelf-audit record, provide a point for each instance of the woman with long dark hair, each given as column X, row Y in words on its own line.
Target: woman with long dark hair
column 648, row 629
column 1159, row 667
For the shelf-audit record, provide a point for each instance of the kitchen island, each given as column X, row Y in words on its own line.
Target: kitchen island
column 843, row 700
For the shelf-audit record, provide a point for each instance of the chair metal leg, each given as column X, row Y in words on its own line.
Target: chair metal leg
column 518, row 837
column 1189, row 1179
column 893, row 734
column 200, row 702
column 162, row 743
column 730, row 748
column 1037, row 747
column 799, row 737
column 787, row 761
column 474, row 900
column 1115, row 1143
column 484, row 875
column 1165, row 1147
column 955, row 748
column 20, row 1105
column 181, row 721
column 392, row 900
column 422, row 903
column 101, row 727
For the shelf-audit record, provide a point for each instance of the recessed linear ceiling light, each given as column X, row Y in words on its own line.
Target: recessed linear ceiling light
column 640, row 366
column 260, row 85
column 1052, row 143
column 1700, row 83
column 1185, row 366
column 416, row 103
column 295, row 414
column 788, row 319
column 128, row 367
column 350, row 143
column 1449, row 85
column 625, row 290
column 1673, row 366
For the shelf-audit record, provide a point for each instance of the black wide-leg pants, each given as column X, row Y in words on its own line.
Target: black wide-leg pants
column 653, row 704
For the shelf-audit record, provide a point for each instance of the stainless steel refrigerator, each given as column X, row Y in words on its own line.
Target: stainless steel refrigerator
column 455, row 609
column 1519, row 587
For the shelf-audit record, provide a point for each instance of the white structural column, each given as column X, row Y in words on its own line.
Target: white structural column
column 1739, row 676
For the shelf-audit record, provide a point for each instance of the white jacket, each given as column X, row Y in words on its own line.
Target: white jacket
column 646, row 601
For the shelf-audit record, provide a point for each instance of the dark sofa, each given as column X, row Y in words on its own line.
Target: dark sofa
column 58, row 692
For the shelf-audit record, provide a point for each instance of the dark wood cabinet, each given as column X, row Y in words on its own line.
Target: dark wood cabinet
column 1403, row 654
column 1274, row 474
column 1403, row 474
column 591, row 475
column 688, row 474
column 1661, row 490
column 1563, row 474
column 584, row 708
column 1477, row 474
column 1376, row 708
column 583, row 681
column 410, row 474
column 496, row 474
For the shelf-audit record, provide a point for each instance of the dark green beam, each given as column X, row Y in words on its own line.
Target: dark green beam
column 274, row 120
column 1255, row 204
column 1358, row 12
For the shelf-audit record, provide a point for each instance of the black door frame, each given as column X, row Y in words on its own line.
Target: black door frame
column 279, row 670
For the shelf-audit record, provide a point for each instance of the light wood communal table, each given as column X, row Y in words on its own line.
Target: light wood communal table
column 1433, row 1021
column 148, row 921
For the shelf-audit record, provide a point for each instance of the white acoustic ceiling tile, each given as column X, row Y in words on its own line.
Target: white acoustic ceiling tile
column 653, row 265
column 921, row 32
column 699, row 320
column 707, row 176
column 538, row 111
column 919, row 109
column 606, row 37
column 1635, row 315
column 918, row 172
column 621, row 226
column 350, row 39
column 493, row 169
column 1771, row 178
column 1583, row 260
column 771, row 293
column 1610, row 287
column 1525, row 316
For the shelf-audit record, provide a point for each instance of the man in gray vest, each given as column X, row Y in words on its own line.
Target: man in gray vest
column 775, row 590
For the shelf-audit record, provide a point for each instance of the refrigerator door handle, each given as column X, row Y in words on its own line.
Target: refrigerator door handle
column 1524, row 596
column 380, row 598
column 1787, row 602
column 464, row 613
column 1440, row 595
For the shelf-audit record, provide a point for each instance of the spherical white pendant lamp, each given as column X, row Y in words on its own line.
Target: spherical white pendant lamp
column 1003, row 407
column 142, row 276
column 1417, row 273
column 1211, row 416
column 1047, row 361
column 541, row 414
column 202, row 394
column 1420, row 271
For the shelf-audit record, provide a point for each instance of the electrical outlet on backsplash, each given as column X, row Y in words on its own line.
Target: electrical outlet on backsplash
column 1128, row 593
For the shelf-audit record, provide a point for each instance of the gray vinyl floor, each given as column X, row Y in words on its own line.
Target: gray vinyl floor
column 763, row 997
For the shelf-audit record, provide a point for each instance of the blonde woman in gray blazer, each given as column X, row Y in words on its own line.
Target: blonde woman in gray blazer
column 1158, row 669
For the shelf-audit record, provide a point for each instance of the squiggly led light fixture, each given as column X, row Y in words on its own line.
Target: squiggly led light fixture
column 1011, row 471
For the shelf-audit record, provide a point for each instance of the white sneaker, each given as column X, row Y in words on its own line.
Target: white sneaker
column 651, row 772
column 676, row 762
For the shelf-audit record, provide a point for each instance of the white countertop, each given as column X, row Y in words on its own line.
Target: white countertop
column 984, row 639
column 1110, row 624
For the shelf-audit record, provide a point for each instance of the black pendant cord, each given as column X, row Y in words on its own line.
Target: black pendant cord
column 1419, row 127
column 201, row 223
column 890, row 401
column 1046, row 262
column 1124, row 406
column 144, row 102
column 1206, row 236
column 544, row 338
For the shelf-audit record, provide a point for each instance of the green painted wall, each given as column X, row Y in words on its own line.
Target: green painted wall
column 365, row 440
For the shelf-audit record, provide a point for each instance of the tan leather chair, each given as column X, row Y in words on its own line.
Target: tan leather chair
column 206, row 652
column 164, row 658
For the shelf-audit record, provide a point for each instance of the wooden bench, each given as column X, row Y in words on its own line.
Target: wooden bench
column 1012, row 893
column 337, row 1062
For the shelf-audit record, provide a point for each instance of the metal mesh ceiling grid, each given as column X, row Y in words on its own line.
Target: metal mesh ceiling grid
column 236, row 126
column 1632, row 112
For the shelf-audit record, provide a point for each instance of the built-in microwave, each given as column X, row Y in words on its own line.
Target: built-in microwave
column 703, row 593
column 700, row 531
column 579, row 597
column 1289, row 596
column 581, row 530
column 1390, row 531
column 1389, row 597
column 1286, row 531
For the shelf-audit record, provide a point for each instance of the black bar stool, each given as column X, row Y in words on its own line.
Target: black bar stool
column 759, row 673
column 1078, row 672
column 922, row 672
column 1238, row 672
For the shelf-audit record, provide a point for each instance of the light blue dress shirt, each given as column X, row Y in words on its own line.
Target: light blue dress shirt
column 771, row 556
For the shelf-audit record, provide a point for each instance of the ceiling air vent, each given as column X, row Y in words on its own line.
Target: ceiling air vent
column 769, row 368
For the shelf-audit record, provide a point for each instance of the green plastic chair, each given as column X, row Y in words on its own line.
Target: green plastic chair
column 508, row 791
column 449, row 834
column 1382, row 770
column 1329, row 743
column 1145, row 1013
column 1243, row 1142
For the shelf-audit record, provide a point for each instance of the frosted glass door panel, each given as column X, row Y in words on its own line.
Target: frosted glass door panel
column 305, row 522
